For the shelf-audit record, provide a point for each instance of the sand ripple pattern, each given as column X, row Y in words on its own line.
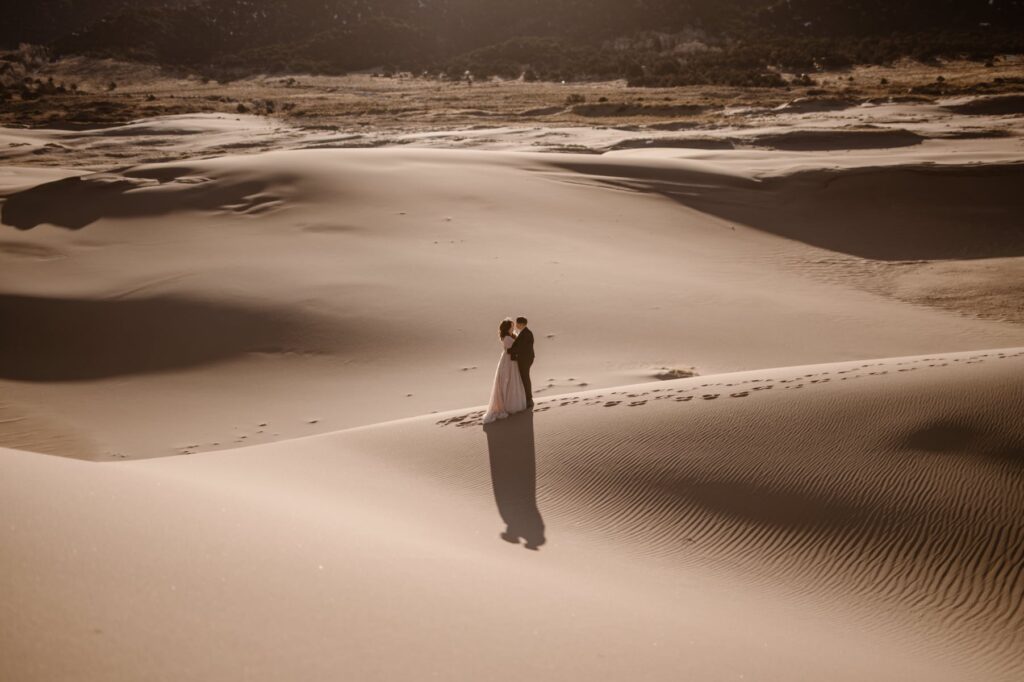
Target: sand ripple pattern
column 895, row 486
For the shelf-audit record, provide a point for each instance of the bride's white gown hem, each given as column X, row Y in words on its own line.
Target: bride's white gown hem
column 508, row 395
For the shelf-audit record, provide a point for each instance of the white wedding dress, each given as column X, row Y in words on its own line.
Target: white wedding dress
column 508, row 395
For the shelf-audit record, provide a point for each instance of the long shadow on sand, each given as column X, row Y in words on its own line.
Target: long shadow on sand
column 514, row 478
column 65, row 339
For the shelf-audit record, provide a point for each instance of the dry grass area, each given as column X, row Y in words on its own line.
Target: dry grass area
column 365, row 102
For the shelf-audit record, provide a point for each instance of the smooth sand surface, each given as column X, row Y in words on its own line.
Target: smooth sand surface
column 176, row 307
column 314, row 328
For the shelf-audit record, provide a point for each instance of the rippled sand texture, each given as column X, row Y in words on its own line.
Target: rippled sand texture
column 893, row 484
column 845, row 521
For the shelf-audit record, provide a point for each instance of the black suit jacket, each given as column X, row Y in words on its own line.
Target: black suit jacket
column 522, row 347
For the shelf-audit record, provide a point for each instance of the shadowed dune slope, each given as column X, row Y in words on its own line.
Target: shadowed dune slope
column 790, row 140
column 884, row 213
column 76, row 202
column 267, row 296
column 80, row 339
column 846, row 521
column 903, row 212
column 998, row 105
column 825, row 140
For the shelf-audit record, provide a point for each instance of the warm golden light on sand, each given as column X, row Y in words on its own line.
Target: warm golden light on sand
column 779, row 382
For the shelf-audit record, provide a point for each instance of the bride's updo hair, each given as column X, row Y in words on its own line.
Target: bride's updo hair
column 505, row 328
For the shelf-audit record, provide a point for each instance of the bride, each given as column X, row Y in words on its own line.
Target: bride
column 508, row 395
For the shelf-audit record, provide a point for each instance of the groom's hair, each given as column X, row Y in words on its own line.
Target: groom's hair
column 520, row 320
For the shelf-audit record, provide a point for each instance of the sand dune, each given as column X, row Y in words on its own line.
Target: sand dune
column 914, row 212
column 845, row 521
column 974, row 128
column 998, row 105
column 305, row 316
column 303, row 272
column 824, row 140
column 78, row 340
column 918, row 212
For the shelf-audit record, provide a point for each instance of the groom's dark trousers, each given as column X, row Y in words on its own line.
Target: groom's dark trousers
column 524, row 372
column 522, row 353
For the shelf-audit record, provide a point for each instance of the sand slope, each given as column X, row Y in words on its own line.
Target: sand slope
column 846, row 521
column 263, row 297
column 308, row 321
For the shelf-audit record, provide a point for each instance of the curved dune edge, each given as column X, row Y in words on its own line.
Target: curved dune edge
column 855, row 521
column 304, row 273
column 927, row 212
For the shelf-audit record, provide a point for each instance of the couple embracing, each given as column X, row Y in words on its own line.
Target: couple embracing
column 512, row 391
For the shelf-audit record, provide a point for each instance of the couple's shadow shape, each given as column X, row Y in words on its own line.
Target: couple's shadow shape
column 513, row 459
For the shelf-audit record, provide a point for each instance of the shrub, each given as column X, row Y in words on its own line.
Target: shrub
column 32, row 56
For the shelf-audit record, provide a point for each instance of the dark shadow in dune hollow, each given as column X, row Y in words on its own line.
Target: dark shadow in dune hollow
column 921, row 212
column 62, row 339
column 76, row 202
column 783, row 509
column 831, row 140
column 513, row 457
column 969, row 437
column 999, row 105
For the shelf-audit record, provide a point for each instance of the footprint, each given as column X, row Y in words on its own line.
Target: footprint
column 612, row 403
column 741, row 394
column 709, row 396
column 684, row 398
column 637, row 403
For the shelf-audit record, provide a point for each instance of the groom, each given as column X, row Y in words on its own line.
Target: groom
column 522, row 352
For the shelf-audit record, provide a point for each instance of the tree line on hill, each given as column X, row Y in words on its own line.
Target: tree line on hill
column 650, row 42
